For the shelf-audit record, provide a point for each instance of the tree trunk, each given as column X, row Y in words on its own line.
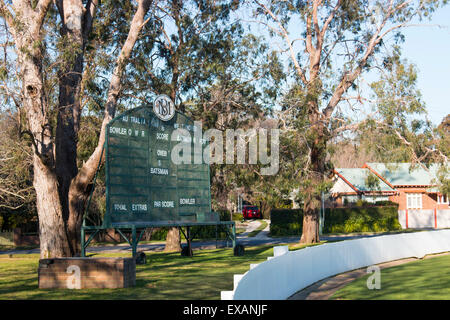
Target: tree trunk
column 317, row 168
column 310, row 231
column 77, row 202
column 173, row 240
column 81, row 184
column 312, row 201
column 68, row 117
column 52, row 236
column 61, row 188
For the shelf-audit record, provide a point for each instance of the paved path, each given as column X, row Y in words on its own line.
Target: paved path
column 325, row 289
column 252, row 225
column 264, row 234
column 159, row 246
column 261, row 238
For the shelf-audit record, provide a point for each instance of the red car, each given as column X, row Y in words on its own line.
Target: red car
column 251, row 212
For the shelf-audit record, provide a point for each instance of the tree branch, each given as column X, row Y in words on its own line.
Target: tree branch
column 87, row 172
column 300, row 71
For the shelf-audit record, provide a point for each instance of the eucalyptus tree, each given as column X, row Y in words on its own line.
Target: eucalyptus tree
column 242, row 96
column 401, row 137
column 203, row 59
column 332, row 47
column 53, row 123
column 17, row 197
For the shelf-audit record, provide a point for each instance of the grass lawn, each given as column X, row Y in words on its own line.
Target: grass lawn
column 427, row 279
column 298, row 246
column 165, row 276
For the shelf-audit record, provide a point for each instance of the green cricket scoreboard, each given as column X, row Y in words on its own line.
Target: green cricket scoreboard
column 143, row 183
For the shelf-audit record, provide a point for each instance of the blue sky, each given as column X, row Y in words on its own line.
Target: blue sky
column 428, row 47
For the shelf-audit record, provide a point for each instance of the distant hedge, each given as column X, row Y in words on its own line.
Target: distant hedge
column 237, row 216
column 288, row 222
column 370, row 219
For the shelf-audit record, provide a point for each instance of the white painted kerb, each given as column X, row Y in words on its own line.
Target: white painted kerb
column 282, row 276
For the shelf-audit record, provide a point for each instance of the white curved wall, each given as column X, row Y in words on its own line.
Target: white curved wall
column 284, row 275
column 425, row 218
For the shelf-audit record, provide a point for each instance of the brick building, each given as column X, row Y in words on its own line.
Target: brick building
column 412, row 187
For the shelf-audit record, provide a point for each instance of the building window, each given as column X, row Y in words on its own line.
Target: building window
column 442, row 198
column 374, row 199
column 414, row 200
column 350, row 199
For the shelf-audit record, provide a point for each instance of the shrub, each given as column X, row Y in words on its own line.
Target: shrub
column 338, row 220
column 237, row 216
column 286, row 222
column 361, row 219
column 386, row 203
column 361, row 203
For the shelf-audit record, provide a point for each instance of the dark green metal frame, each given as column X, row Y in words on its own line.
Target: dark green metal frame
column 228, row 226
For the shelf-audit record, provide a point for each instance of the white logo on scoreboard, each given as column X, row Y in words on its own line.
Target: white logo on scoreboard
column 163, row 107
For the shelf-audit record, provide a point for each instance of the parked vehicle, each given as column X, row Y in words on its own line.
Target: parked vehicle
column 251, row 212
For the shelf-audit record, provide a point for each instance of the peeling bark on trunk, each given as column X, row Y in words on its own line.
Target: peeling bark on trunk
column 53, row 239
column 52, row 236
column 76, row 25
column 311, row 209
column 312, row 201
column 173, row 240
column 67, row 137
column 61, row 189
column 81, row 184
column 77, row 202
column 310, row 231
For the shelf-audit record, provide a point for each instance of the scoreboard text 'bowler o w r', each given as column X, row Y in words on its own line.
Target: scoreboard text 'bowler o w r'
column 163, row 107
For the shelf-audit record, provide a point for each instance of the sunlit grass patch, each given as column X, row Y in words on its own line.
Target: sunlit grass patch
column 165, row 276
column 427, row 279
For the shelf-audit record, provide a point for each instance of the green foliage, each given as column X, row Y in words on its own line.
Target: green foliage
column 219, row 73
column 361, row 203
column 387, row 203
column 286, row 222
column 326, row 70
column 361, row 219
column 17, row 196
column 338, row 220
column 237, row 216
column 372, row 182
column 402, row 134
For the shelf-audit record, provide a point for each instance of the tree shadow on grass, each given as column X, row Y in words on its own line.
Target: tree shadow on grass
column 418, row 280
column 165, row 276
